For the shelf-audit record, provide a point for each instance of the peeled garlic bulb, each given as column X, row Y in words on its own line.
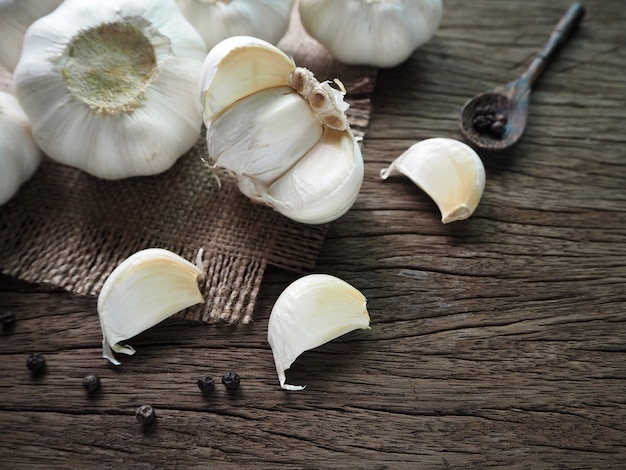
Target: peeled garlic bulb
column 15, row 18
column 381, row 33
column 145, row 289
column 312, row 311
column 19, row 155
column 449, row 171
column 110, row 87
column 284, row 135
column 219, row 19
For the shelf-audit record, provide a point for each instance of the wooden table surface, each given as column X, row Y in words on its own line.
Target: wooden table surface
column 499, row 341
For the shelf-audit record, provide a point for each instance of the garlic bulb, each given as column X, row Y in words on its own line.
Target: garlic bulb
column 381, row 33
column 15, row 18
column 109, row 87
column 220, row 19
column 284, row 135
column 145, row 289
column 19, row 156
column 449, row 171
column 312, row 311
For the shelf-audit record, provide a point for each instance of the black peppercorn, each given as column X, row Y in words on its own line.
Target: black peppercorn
column 481, row 123
column 145, row 414
column 7, row 319
column 36, row 363
column 497, row 128
column 206, row 384
column 231, row 380
column 91, row 383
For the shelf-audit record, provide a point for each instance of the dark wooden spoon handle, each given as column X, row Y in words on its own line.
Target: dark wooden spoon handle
column 561, row 33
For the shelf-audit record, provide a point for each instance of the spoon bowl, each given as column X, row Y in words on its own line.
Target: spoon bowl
column 499, row 101
column 510, row 101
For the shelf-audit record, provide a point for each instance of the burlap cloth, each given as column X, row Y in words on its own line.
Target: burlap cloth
column 67, row 229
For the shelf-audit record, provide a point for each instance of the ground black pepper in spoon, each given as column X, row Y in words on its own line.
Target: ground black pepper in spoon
column 510, row 101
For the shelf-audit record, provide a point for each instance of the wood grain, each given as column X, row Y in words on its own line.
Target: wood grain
column 496, row 342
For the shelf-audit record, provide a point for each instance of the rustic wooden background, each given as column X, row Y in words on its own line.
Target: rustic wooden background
column 496, row 342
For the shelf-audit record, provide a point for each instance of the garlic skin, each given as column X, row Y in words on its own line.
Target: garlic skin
column 284, row 135
column 145, row 289
column 216, row 20
column 380, row 33
column 19, row 155
column 312, row 311
column 448, row 170
column 109, row 87
column 15, row 18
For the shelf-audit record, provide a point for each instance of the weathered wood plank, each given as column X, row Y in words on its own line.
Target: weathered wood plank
column 496, row 342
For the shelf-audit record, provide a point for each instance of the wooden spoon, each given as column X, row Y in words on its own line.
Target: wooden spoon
column 510, row 102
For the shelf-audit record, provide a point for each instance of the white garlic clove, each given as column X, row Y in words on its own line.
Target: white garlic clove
column 219, row 19
column 15, row 18
column 448, row 170
column 312, row 311
column 280, row 129
column 145, row 289
column 381, row 33
column 111, row 87
column 324, row 184
column 238, row 67
column 19, row 155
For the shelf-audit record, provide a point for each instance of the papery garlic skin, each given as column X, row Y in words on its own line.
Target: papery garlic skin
column 312, row 311
column 19, row 155
column 110, row 87
column 15, row 18
column 448, row 170
column 145, row 289
column 380, row 33
column 216, row 20
column 284, row 135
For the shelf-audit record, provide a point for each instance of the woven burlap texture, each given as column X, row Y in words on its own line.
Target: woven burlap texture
column 68, row 229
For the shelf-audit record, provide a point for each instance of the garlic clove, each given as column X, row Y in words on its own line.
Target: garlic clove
column 145, row 289
column 448, row 170
column 281, row 128
column 324, row 184
column 240, row 66
column 19, row 155
column 380, row 33
column 218, row 19
column 312, row 311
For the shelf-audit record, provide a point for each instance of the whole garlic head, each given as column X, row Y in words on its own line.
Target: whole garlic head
column 220, row 19
column 15, row 18
column 19, row 155
column 381, row 33
column 110, row 87
column 284, row 135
